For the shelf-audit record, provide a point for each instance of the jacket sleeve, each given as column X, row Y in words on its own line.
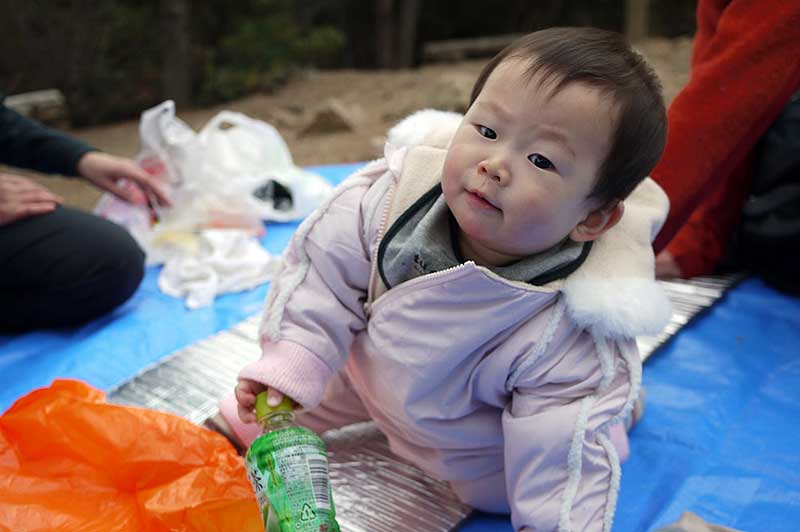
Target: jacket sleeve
column 25, row 143
column 316, row 304
column 562, row 471
column 750, row 49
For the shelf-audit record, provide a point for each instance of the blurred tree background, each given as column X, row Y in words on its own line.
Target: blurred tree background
column 114, row 58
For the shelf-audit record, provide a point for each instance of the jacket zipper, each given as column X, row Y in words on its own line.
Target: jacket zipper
column 428, row 278
column 373, row 274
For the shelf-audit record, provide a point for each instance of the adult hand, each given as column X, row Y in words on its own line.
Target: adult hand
column 121, row 177
column 21, row 197
column 246, row 391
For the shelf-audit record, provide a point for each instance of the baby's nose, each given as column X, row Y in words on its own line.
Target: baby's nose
column 494, row 169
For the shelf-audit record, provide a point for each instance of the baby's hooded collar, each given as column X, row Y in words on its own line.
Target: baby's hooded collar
column 614, row 292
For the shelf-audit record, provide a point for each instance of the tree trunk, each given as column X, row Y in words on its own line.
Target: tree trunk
column 384, row 32
column 176, row 65
column 637, row 19
column 406, row 33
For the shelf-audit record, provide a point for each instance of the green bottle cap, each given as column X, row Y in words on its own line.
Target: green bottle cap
column 263, row 409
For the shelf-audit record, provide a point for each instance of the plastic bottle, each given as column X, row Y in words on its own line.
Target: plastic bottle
column 288, row 468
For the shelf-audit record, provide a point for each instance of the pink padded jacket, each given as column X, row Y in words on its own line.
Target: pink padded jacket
column 505, row 389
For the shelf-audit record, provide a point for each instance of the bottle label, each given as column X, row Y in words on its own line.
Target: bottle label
column 289, row 472
column 303, row 467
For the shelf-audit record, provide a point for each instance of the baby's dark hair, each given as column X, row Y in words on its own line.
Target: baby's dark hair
column 604, row 60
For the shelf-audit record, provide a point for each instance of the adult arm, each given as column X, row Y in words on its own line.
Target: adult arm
column 744, row 70
column 25, row 143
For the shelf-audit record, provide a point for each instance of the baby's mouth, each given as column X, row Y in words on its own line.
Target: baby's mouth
column 482, row 200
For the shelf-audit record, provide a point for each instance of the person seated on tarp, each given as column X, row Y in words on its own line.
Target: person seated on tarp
column 720, row 159
column 61, row 266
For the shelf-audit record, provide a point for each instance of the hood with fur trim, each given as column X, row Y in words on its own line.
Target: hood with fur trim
column 614, row 292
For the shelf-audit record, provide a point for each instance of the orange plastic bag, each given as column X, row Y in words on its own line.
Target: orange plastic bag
column 71, row 461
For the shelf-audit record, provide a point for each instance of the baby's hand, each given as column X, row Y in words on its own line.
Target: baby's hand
column 246, row 391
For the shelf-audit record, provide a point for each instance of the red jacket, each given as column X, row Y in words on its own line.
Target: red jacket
column 745, row 67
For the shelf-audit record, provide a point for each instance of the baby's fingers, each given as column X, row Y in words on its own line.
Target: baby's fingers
column 274, row 397
column 246, row 400
column 244, row 394
column 246, row 414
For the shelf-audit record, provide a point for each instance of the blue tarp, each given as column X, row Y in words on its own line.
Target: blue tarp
column 719, row 436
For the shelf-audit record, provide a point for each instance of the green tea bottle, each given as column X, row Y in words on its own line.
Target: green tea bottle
column 288, row 468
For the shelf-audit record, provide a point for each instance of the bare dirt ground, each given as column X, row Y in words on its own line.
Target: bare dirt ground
column 372, row 100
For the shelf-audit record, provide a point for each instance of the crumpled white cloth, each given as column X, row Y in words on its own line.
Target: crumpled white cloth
column 225, row 260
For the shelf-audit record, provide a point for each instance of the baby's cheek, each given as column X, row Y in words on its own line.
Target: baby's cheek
column 451, row 181
column 534, row 201
column 450, row 164
column 537, row 213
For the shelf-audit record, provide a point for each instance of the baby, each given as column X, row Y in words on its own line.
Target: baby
column 477, row 291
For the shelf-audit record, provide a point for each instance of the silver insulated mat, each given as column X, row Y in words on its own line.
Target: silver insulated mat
column 374, row 491
column 689, row 298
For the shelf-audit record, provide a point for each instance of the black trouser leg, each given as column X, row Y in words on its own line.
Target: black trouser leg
column 64, row 268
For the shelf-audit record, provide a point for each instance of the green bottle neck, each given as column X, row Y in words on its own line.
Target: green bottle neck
column 276, row 421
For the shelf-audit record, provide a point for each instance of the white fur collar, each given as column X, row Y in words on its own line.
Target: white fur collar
column 614, row 292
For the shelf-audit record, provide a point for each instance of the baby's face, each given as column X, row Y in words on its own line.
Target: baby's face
column 522, row 163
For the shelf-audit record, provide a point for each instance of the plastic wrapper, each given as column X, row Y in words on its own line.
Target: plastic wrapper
column 71, row 461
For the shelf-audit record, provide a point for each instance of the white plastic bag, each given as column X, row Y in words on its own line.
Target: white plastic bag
column 169, row 146
column 233, row 159
column 233, row 174
column 252, row 154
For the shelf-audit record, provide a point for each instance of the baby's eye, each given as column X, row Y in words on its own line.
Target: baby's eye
column 487, row 132
column 540, row 161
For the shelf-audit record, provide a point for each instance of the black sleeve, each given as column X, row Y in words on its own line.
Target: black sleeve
column 25, row 143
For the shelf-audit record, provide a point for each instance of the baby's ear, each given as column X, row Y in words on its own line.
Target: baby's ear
column 598, row 222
